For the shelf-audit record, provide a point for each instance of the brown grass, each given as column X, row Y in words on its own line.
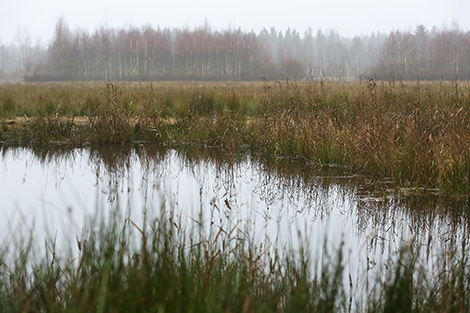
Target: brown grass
column 417, row 134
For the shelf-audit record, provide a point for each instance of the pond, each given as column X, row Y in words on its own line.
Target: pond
column 283, row 205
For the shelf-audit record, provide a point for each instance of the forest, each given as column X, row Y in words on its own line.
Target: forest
column 203, row 54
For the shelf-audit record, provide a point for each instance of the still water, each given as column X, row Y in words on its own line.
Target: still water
column 282, row 205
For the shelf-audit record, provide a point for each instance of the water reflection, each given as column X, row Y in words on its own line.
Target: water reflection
column 280, row 203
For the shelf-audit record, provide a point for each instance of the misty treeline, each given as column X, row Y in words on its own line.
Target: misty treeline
column 201, row 53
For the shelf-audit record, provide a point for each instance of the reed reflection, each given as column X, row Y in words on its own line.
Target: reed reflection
column 278, row 196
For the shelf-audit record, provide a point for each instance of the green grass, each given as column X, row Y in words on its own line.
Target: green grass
column 158, row 267
column 417, row 134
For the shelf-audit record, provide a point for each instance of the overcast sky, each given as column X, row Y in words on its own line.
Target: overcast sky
column 349, row 18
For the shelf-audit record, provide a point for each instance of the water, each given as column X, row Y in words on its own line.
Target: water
column 282, row 205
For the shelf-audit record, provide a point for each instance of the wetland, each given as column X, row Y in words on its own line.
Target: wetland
column 275, row 197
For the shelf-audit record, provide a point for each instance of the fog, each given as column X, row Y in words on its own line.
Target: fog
column 54, row 40
column 146, row 53
column 349, row 18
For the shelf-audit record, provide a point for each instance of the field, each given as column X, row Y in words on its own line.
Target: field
column 405, row 138
column 415, row 134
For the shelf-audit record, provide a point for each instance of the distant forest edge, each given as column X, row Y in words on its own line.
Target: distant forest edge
column 201, row 53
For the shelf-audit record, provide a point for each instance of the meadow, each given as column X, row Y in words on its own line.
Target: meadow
column 416, row 134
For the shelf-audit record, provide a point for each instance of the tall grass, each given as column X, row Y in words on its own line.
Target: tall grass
column 120, row 266
column 417, row 134
column 157, row 267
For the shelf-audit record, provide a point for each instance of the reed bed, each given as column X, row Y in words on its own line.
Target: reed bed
column 416, row 133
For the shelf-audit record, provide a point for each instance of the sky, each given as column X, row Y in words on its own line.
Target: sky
column 37, row 18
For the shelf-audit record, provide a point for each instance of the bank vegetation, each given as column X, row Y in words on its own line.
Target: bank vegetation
column 415, row 134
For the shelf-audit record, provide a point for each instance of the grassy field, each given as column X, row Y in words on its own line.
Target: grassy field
column 417, row 134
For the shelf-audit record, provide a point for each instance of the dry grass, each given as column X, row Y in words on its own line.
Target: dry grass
column 417, row 134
